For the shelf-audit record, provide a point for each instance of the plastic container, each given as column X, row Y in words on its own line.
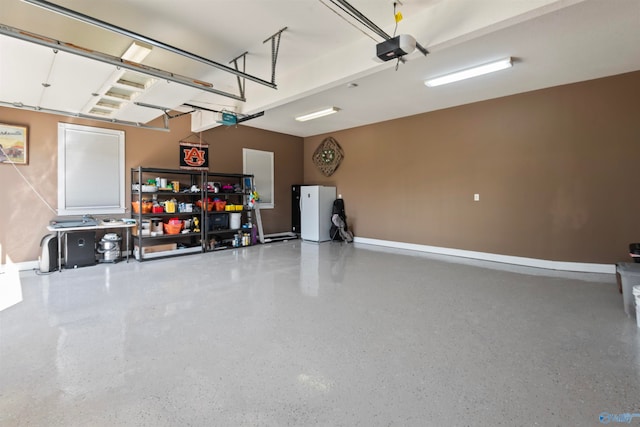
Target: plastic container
column 630, row 276
column 146, row 207
column 636, row 294
column 146, row 188
column 205, row 205
column 170, row 206
column 234, row 220
column 173, row 228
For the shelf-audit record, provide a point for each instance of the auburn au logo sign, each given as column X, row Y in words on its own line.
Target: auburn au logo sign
column 194, row 156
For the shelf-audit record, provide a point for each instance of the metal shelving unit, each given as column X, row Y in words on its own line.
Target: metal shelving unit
column 152, row 245
column 243, row 184
column 156, row 245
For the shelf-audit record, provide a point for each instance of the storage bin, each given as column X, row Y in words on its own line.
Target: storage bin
column 205, row 205
column 146, row 207
column 170, row 206
column 236, row 219
column 218, row 221
column 174, row 228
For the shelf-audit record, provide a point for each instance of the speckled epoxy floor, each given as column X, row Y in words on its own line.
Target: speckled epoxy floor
column 301, row 334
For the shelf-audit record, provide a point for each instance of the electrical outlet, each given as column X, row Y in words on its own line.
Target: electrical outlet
column 476, row 197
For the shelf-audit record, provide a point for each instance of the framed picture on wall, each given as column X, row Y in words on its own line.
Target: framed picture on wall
column 14, row 144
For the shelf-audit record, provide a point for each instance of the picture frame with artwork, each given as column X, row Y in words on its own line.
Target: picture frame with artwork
column 14, row 144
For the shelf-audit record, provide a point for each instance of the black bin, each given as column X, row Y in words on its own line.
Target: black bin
column 218, row 221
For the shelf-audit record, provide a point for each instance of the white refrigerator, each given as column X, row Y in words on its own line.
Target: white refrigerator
column 316, row 205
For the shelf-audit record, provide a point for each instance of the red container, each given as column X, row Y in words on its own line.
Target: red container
column 157, row 209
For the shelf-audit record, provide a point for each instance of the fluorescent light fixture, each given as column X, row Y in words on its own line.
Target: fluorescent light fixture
column 470, row 72
column 136, row 52
column 316, row 114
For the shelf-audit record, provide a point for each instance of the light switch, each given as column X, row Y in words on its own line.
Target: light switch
column 476, row 197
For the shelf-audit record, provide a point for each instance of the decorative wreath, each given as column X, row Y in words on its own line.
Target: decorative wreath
column 328, row 156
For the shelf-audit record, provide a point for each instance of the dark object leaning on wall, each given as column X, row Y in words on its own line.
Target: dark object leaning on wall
column 339, row 230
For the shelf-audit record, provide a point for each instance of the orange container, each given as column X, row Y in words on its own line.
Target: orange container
column 146, row 207
column 173, row 228
column 207, row 205
column 219, row 205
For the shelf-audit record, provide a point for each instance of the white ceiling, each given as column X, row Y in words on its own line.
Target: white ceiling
column 553, row 42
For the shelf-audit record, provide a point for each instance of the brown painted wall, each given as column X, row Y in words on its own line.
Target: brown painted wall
column 227, row 145
column 24, row 217
column 556, row 170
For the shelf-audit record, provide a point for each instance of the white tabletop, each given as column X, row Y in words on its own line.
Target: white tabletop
column 101, row 226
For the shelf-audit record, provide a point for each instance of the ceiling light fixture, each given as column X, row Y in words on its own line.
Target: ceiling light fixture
column 470, row 72
column 317, row 114
column 136, row 52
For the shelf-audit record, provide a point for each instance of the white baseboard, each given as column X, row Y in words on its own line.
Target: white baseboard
column 33, row 265
column 20, row 266
column 484, row 256
column 506, row 259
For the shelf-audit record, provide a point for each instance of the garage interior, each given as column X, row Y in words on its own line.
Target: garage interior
column 490, row 215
